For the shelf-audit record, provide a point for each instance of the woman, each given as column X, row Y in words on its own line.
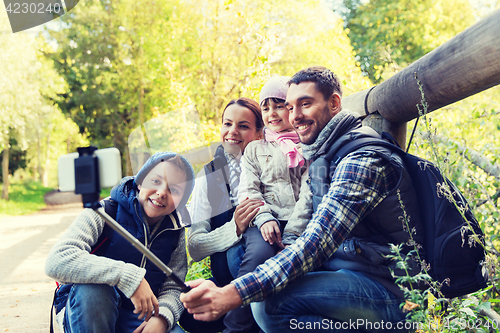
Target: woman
column 214, row 229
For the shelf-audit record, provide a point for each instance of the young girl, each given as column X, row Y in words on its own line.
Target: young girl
column 116, row 289
column 214, row 201
column 273, row 171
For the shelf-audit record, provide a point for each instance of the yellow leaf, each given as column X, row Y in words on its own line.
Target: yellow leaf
column 431, row 301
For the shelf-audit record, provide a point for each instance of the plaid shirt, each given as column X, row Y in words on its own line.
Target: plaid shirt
column 361, row 181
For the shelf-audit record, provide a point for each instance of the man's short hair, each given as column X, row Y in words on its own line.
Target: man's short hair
column 326, row 81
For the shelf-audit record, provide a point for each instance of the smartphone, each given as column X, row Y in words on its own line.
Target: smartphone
column 110, row 170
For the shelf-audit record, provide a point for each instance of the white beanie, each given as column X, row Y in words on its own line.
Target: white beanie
column 275, row 87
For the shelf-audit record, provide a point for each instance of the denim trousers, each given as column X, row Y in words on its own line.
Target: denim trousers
column 246, row 255
column 341, row 301
column 96, row 308
column 235, row 257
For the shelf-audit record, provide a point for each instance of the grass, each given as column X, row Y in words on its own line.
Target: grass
column 24, row 198
column 105, row 192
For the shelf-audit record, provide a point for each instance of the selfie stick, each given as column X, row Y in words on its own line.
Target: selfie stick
column 144, row 250
column 88, row 185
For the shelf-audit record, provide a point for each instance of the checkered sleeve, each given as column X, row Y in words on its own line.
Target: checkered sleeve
column 360, row 182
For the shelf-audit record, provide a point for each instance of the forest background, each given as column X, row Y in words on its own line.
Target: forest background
column 109, row 68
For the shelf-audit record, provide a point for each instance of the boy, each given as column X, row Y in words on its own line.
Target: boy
column 116, row 289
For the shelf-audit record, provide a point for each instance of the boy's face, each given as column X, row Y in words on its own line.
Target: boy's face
column 161, row 191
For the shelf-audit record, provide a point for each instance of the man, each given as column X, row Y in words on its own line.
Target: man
column 341, row 280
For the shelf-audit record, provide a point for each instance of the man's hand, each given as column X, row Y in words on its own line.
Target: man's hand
column 207, row 302
column 271, row 233
column 244, row 213
column 154, row 325
column 145, row 301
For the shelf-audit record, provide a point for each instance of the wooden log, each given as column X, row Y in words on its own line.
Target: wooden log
column 463, row 66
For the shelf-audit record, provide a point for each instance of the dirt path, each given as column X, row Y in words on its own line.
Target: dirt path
column 25, row 291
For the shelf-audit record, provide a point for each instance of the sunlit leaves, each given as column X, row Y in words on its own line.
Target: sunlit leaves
column 390, row 34
column 130, row 61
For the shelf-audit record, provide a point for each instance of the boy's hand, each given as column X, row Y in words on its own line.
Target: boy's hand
column 154, row 325
column 244, row 213
column 145, row 301
column 271, row 233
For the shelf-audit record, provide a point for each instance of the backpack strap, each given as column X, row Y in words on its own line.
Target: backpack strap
column 363, row 142
column 110, row 207
column 52, row 309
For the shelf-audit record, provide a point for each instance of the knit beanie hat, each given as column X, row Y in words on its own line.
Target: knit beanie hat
column 275, row 87
column 159, row 157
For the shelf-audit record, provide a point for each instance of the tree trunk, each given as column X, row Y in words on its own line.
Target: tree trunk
column 39, row 157
column 120, row 142
column 5, row 173
column 140, row 157
column 127, row 159
column 46, row 164
column 463, row 66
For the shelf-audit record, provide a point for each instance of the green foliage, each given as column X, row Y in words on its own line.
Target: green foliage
column 29, row 87
column 472, row 124
column 25, row 197
column 105, row 192
column 388, row 35
column 428, row 313
column 436, row 140
column 17, row 157
column 431, row 314
column 128, row 62
column 198, row 270
column 100, row 58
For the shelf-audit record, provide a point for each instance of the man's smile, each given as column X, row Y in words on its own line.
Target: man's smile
column 302, row 127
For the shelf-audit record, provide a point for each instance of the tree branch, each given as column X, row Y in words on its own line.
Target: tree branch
column 475, row 157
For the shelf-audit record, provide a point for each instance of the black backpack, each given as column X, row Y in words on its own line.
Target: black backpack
column 446, row 240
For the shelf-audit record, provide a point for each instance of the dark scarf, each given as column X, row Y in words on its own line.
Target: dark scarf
column 340, row 124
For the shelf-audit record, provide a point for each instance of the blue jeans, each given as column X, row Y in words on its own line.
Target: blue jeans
column 341, row 301
column 255, row 251
column 235, row 257
column 96, row 308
